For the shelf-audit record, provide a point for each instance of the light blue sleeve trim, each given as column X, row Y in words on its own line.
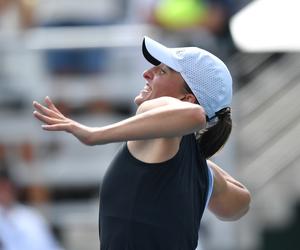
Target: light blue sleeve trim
column 210, row 184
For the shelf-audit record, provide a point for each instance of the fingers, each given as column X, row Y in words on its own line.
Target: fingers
column 48, row 120
column 51, row 105
column 54, row 120
column 43, row 110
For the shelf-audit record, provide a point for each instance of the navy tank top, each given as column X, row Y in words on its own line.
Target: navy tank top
column 154, row 206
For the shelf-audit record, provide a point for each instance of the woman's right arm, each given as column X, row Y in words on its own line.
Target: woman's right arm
column 154, row 119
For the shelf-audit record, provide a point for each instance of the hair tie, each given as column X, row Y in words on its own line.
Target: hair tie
column 223, row 112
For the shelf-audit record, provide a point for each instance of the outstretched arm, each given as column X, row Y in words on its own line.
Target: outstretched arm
column 230, row 199
column 157, row 118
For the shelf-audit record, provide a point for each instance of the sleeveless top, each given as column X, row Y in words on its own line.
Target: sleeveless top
column 154, row 206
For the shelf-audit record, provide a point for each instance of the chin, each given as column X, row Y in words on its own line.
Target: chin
column 138, row 100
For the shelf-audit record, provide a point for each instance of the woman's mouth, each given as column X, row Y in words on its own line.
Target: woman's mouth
column 146, row 89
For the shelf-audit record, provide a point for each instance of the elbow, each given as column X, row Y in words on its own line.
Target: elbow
column 197, row 115
column 234, row 209
column 246, row 203
column 233, row 217
column 248, row 197
column 236, row 216
column 240, row 211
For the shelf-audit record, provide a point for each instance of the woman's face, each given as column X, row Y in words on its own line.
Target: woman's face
column 161, row 81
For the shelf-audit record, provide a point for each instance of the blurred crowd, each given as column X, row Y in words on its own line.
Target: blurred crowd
column 202, row 23
column 21, row 226
column 49, row 191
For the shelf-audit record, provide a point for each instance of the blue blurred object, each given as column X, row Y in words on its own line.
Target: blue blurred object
column 75, row 61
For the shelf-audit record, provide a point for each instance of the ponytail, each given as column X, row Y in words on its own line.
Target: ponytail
column 213, row 138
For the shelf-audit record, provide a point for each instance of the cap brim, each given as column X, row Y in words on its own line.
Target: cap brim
column 156, row 53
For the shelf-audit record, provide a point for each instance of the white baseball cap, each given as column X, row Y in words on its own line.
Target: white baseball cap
column 205, row 74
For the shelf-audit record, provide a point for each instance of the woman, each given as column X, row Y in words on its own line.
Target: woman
column 155, row 191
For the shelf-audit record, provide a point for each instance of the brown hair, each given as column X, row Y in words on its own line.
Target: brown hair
column 213, row 138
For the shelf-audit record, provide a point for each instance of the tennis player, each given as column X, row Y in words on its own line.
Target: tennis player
column 158, row 185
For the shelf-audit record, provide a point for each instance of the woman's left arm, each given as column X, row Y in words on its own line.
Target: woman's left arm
column 230, row 199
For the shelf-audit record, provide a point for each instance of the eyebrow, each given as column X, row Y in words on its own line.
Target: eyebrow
column 164, row 66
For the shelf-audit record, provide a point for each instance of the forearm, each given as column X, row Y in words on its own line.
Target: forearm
column 166, row 121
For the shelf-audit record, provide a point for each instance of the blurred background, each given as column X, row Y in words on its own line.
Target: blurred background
column 86, row 55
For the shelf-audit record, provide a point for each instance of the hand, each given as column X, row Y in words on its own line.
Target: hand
column 56, row 121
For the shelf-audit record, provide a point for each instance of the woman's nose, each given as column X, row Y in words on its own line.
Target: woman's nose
column 148, row 74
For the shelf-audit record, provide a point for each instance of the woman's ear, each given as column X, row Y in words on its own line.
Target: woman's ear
column 190, row 98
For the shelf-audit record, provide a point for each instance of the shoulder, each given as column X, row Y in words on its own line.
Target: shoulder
column 181, row 113
column 155, row 103
column 170, row 102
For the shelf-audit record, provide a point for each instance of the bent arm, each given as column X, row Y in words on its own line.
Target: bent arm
column 230, row 199
column 157, row 118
